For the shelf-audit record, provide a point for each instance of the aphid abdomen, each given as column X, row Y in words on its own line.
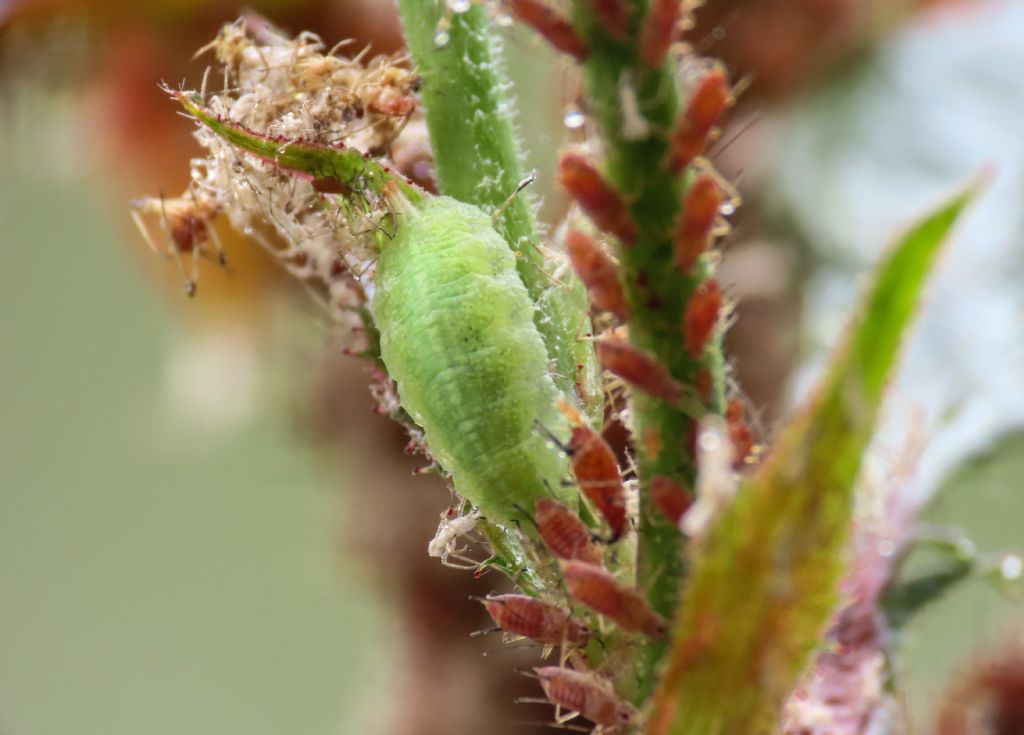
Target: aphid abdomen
column 458, row 336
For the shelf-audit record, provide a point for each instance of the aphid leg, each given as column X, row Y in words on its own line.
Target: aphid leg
column 211, row 231
column 144, row 230
column 190, row 279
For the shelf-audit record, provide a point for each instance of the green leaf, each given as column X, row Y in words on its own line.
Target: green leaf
column 764, row 580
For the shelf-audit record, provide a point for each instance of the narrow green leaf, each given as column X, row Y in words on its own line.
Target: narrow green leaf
column 764, row 580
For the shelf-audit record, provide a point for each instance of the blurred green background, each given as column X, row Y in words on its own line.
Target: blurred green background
column 152, row 578
column 160, row 577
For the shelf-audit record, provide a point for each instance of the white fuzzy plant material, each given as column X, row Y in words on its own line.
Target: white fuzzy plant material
column 290, row 90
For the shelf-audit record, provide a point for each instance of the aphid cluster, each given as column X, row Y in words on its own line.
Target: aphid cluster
column 455, row 323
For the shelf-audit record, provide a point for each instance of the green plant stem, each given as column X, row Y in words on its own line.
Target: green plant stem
column 657, row 291
column 479, row 161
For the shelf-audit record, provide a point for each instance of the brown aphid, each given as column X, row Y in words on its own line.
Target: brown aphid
column 587, row 693
column 671, row 500
column 596, row 196
column 564, row 533
column 696, row 225
column 599, row 274
column 659, row 30
column 551, row 25
column 701, row 317
column 696, row 125
column 639, row 369
column 542, row 621
column 597, row 473
column 596, row 588
column 614, row 16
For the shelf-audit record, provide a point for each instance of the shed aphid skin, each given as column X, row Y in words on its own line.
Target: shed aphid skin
column 186, row 224
column 640, row 369
column 596, row 196
column 551, row 25
column 716, row 479
column 596, row 588
column 565, row 535
column 444, row 545
column 697, row 124
column 539, row 620
column 588, row 695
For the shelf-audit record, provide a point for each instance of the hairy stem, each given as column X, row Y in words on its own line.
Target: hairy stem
column 658, row 292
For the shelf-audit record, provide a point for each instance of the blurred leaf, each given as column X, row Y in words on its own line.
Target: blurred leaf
column 764, row 581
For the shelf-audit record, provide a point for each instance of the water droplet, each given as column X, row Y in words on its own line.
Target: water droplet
column 574, row 118
column 247, row 231
column 504, row 20
column 728, row 208
column 459, row 6
column 886, row 548
column 441, row 39
column 1011, row 567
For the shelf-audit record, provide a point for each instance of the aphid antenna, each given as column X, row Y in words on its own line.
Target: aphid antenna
column 511, row 647
column 485, row 631
column 705, row 42
column 723, row 144
column 527, row 180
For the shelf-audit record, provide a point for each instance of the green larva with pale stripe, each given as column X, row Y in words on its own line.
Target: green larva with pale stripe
column 457, row 335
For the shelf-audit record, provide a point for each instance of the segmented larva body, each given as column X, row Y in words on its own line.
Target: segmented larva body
column 544, row 622
column 564, row 533
column 457, row 335
column 588, row 694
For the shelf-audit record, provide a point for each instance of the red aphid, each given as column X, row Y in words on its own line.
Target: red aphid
column 599, row 274
column 542, row 621
column 596, row 588
column 596, row 196
column 705, row 384
column 614, row 16
column 638, row 368
column 587, row 693
column 740, row 433
column 696, row 224
column 671, row 500
column 701, row 317
column 660, row 29
column 707, row 104
column 557, row 30
column 564, row 533
column 597, row 473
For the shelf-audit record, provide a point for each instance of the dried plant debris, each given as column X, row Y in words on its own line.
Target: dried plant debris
column 289, row 91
